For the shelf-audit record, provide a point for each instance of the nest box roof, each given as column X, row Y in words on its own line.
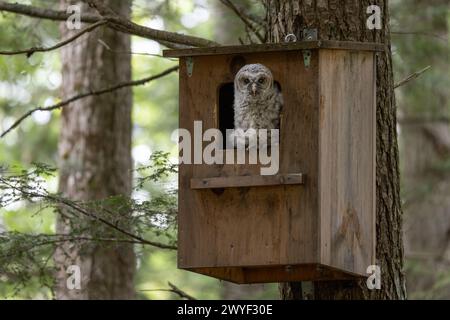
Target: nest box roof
column 273, row 47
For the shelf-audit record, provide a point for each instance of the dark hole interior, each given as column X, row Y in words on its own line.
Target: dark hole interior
column 226, row 110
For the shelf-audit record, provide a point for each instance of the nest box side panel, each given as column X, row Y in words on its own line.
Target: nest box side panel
column 200, row 80
column 198, row 83
column 347, row 159
column 261, row 225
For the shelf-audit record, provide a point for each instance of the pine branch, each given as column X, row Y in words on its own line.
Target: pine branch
column 72, row 205
column 87, row 94
column 53, row 239
column 26, row 185
column 31, row 51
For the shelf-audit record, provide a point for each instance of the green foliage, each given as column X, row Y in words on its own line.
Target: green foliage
column 160, row 168
column 26, row 256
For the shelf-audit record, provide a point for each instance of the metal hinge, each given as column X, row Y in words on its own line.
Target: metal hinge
column 189, row 66
column 308, row 35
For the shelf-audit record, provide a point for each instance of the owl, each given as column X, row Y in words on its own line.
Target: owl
column 257, row 103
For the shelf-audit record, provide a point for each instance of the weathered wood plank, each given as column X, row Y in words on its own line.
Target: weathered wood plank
column 283, row 219
column 267, row 274
column 271, row 47
column 247, row 181
column 347, row 159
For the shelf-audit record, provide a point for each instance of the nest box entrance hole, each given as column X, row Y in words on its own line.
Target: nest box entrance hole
column 226, row 107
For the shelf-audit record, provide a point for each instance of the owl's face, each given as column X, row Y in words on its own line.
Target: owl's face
column 254, row 80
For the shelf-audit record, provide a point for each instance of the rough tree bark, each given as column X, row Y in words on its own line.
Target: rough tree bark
column 346, row 20
column 95, row 157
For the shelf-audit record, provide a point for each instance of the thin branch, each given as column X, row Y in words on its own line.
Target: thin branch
column 420, row 33
column 424, row 255
column 87, row 94
column 180, row 292
column 244, row 17
column 61, row 201
column 64, row 238
column 31, row 51
column 121, row 24
column 169, row 39
column 173, row 289
column 49, row 14
column 111, row 225
column 422, row 120
column 107, row 47
column 68, row 238
column 411, row 77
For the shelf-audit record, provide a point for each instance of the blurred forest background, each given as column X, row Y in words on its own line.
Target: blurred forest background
column 420, row 37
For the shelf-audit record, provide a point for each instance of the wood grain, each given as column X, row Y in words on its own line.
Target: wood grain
column 250, row 228
column 214, row 228
column 267, row 274
column 247, row 181
column 347, row 159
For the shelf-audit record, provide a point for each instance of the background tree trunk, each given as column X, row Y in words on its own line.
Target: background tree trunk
column 95, row 157
column 425, row 146
column 338, row 21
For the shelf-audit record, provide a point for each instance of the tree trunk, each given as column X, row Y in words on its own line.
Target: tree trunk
column 335, row 20
column 95, row 157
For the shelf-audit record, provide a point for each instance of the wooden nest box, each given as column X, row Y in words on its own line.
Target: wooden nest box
column 313, row 220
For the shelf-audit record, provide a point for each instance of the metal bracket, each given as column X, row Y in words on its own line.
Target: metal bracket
column 189, row 66
column 308, row 35
column 307, row 58
column 307, row 290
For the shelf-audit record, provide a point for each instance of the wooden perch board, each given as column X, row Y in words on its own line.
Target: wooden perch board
column 247, row 181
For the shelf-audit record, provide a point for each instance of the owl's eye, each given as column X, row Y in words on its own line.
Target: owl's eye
column 261, row 80
column 246, row 80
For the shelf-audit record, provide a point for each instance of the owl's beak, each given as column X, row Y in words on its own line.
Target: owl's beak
column 254, row 89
